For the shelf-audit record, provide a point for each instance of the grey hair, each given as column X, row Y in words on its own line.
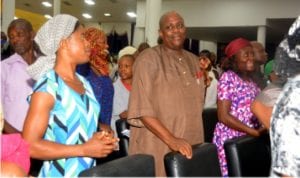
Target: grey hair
column 165, row 15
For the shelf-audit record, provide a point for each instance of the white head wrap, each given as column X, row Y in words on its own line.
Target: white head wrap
column 48, row 38
column 126, row 50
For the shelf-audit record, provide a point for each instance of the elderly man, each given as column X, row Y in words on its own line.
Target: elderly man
column 16, row 84
column 260, row 57
column 167, row 96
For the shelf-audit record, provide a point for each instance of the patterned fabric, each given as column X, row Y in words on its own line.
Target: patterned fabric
column 98, row 57
column 241, row 94
column 48, row 39
column 73, row 120
column 103, row 89
column 285, row 131
column 285, row 121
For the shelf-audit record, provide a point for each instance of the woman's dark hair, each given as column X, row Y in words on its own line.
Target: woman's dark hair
column 206, row 53
column 231, row 64
column 228, row 63
column 76, row 26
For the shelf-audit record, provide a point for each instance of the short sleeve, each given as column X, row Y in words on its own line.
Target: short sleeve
column 46, row 84
column 144, row 72
column 269, row 95
column 119, row 105
column 226, row 86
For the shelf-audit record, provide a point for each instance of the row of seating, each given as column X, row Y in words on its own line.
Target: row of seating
column 210, row 119
column 246, row 156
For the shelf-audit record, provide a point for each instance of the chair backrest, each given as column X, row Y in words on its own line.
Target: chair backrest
column 122, row 125
column 139, row 165
column 203, row 163
column 248, row 156
column 210, row 119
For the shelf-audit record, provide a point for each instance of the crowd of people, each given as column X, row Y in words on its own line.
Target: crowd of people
column 61, row 99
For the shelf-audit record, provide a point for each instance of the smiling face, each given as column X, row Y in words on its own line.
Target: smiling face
column 125, row 67
column 245, row 59
column 172, row 30
column 204, row 62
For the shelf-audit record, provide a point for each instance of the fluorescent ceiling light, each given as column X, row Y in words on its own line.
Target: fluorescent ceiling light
column 47, row 4
column 89, row 2
column 15, row 18
column 86, row 15
column 107, row 14
column 131, row 14
column 48, row 16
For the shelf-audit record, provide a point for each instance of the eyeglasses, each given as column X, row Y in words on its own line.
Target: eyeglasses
column 178, row 26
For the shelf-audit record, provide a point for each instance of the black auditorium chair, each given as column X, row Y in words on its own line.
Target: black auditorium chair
column 210, row 119
column 248, row 156
column 203, row 163
column 139, row 165
column 122, row 125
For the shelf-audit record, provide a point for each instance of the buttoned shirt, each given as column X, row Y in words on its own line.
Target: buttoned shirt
column 16, row 85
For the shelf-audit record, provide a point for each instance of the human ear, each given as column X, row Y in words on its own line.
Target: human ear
column 32, row 33
column 63, row 43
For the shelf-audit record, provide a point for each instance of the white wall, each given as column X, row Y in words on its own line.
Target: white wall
column 209, row 45
column 212, row 13
column 7, row 13
column 224, row 13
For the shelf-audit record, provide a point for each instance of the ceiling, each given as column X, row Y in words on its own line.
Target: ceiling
column 118, row 9
column 276, row 28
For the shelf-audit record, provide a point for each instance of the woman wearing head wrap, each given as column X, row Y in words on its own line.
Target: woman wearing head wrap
column 262, row 106
column 97, row 73
column 285, row 120
column 236, row 91
column 63, row 115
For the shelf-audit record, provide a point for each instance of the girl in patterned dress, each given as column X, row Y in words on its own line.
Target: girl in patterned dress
column 236, row 91
column 62, row 119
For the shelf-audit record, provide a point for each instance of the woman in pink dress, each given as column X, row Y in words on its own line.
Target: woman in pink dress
column 236, row 91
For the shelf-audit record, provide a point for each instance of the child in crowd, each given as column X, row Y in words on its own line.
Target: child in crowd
column 122, row 89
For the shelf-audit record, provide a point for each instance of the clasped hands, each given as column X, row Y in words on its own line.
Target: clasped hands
column 101, row 144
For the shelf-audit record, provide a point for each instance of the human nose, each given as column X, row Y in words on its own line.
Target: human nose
column 13, row 40
column 122, row 68
column 251, row 57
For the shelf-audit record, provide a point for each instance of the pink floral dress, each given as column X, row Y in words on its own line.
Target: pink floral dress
column 241, row 94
